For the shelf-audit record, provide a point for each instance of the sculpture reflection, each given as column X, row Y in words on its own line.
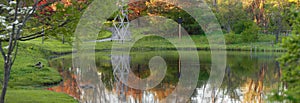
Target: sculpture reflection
column 120, row 64
column 246, row 80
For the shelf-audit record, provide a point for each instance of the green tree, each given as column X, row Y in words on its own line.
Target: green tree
column 230, row 13
column 290, row 61
column 250, row 32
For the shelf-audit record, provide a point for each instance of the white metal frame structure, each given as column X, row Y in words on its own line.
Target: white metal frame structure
column 121, row 23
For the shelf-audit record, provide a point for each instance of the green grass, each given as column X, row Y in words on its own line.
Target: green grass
column 49, row 45
column 37, row 96
column 25, row 74
column 201, row 43
column 154, row 43
column 28, row 83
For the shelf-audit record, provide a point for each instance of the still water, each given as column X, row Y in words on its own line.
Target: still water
column 249, row 77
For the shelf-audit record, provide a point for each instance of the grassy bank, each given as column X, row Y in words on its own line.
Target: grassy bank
column 201, row 43
column 28, row 83
column 158, row 43
column 37, row 96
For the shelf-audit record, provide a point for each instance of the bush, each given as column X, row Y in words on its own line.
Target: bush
column 250, row 34
column 266, row 38
column 291, row 67
column 104, row 34
column 232, row 38
column 239, row 27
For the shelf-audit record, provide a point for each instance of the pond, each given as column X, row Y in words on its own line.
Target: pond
column 249, row 77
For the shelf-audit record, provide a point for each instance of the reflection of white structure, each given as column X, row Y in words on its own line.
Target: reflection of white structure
column 120, row 64
column 121, row 23
column 90, row 86
column 121, row 69
column 223, row 95
column 218, row 96
column 149, row 97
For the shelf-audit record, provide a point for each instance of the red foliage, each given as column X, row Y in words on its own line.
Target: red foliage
column 136, row 8
column 47, row 10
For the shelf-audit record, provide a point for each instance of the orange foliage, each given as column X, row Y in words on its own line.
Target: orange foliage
column 68, row 86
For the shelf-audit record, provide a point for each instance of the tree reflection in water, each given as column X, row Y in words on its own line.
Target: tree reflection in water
column 247, row 80
column 251, row 90
column 69, row 84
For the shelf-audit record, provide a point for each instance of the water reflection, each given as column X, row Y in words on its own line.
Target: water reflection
column 120, row 72
column 69, row 84
column 248, row 78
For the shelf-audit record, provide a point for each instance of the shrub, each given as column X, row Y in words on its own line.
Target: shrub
column 104, row 34
column 250, row 34
column 291, row 67
column 266, row 38
column 232, row 38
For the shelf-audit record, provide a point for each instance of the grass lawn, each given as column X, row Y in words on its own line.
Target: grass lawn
column 154, row 43
column 201, row 43
column 37, row 96
column 28, row 83
column 25, row 74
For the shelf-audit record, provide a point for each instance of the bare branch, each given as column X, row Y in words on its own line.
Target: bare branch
column 2, row 51
column 15, row 54
column 28, row 15
column 14, row 34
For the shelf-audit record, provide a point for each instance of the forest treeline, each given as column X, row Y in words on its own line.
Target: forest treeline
column 247, row 18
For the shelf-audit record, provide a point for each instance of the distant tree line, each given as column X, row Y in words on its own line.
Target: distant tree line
column 245, row 17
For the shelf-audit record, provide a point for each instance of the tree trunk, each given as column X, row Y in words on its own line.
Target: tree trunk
column 14, row 36
column 279, row 28
column 215, row 4
column 277, row 36
column 5, row 81
column 228, row 28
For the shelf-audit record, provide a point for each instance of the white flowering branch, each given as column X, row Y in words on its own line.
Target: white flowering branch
column 12, row 20
column 13, row 17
